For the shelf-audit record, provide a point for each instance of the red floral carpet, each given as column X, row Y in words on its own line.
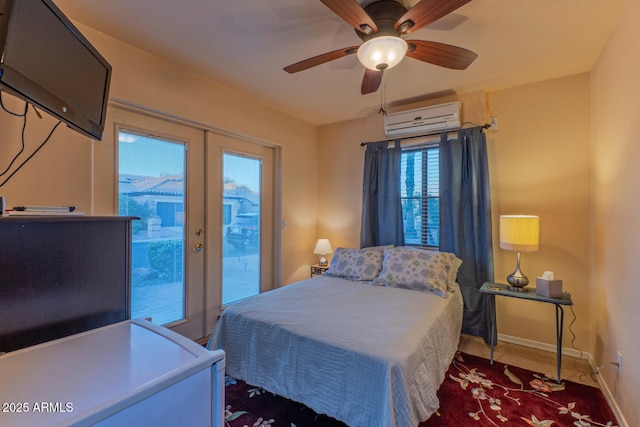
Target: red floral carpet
column 474, row 394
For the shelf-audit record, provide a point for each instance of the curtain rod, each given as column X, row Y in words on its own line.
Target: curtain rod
column 362, row 144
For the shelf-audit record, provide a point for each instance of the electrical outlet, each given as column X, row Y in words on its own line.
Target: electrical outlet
column 619, row 360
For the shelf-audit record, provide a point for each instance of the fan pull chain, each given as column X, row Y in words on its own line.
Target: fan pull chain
column 383, row 100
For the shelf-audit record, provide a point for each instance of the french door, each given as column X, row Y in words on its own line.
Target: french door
column 208, row 233
column 160, row 175
column 241, row 188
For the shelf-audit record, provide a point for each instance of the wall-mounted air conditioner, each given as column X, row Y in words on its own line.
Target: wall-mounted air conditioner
column 423, row 120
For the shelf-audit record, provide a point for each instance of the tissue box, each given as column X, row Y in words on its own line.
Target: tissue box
column 551, row 288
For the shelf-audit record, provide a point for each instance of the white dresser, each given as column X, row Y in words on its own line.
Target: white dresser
column 132, row 373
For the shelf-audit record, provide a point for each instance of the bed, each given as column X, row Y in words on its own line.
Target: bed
column 367, row 352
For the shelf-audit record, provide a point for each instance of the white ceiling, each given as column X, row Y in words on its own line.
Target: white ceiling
column 244, row 44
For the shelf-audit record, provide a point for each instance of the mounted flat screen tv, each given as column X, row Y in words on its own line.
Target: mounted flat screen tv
column 49, row 63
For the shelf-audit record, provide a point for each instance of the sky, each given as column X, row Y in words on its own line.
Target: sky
column 147, row 156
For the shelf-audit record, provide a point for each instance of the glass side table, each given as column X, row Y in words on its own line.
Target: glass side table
column 499, row 289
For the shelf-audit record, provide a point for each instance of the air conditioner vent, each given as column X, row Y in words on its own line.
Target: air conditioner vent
column 423, row 120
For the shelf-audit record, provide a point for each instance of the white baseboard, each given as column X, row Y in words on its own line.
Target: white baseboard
column 544, row 346
column 572, row 352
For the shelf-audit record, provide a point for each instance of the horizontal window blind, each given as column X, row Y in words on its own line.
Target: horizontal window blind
column 420, row 193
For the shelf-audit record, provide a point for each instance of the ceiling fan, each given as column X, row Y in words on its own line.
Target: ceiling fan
column 380, row 25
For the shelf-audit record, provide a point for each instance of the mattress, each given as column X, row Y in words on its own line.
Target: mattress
column 365, row 355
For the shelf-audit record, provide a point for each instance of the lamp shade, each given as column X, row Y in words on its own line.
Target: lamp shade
column 382, row 53
column 519, row 232
column 323, row 247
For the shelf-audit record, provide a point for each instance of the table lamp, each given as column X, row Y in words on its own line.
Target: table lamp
column 519, row 233
column 323, row 247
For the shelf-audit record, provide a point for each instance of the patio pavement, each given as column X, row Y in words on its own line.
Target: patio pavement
column 164, row 301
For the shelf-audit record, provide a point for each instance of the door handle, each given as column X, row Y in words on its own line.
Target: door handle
column 198, row 247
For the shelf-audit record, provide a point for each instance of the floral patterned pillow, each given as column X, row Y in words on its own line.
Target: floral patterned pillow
column 421, row 270
column 378, row 248
column 355, row 264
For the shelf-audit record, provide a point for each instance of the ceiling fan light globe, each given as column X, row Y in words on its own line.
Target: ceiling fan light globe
column 381, row 50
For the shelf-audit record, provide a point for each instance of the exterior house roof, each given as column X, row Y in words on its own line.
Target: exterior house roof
column 173, row 185
column 135, row 185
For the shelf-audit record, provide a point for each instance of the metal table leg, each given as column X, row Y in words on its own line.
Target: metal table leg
column 492, row 315
column 559, row 328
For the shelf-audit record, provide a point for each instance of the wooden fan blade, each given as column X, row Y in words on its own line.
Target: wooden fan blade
column 371, row 81
column 320, row 59
column 353, row 14
column 440, row 54
column 426, row 12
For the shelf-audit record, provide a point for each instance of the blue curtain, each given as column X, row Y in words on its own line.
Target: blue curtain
column 465, row 221
column 381, row 205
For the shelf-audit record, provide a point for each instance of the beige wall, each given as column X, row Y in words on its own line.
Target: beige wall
column 72, row 169
column 539, row 164
column 615, row 107
column 59, row 174
column 137, row 79
column 340, row 168
column 565, row 150
column 550, row 158
column 341, row 162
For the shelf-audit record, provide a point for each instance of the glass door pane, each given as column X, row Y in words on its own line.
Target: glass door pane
column 240, row 227
column 151, row 186
column 241, row 258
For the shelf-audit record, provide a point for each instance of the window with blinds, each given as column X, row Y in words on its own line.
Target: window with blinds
column 420, row 192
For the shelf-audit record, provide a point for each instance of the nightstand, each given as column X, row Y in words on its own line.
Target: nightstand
column 318, row 269
column 499, row 289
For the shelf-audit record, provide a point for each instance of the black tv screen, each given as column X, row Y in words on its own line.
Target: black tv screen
column 49, row 63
